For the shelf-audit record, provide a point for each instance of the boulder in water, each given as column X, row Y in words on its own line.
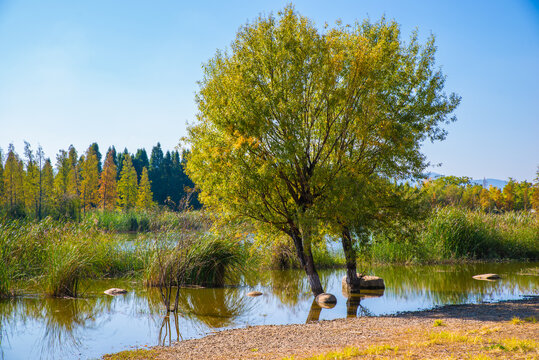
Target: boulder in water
column 115, row 291
column 326, row 300
column 488, row 277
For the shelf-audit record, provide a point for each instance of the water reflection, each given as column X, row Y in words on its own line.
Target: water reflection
column 37, row 327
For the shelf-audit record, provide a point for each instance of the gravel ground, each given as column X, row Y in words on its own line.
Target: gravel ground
column 409, row 331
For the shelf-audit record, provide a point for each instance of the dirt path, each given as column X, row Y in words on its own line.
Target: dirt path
column 463, row 331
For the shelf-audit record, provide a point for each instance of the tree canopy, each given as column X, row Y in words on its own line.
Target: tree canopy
column 297, row 126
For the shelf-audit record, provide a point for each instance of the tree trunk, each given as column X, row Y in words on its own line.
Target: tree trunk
column 306, row 260
column 351, row 267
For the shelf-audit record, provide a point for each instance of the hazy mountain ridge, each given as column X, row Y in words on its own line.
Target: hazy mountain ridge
column 488, row 181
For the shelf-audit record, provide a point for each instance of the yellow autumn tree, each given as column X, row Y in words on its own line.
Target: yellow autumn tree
column 90, row 180
column 127, row 186
column 13, row 183
column 107, row 183
column 144, row 195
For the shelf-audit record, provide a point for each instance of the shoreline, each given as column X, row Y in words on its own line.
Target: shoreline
column 472, row 327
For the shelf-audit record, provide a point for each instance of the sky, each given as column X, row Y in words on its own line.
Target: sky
column 125, row 72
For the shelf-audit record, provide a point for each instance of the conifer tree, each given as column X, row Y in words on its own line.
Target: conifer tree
column 47, row 186
column 144, row 195
column 31, row 182
column 1, row 178
column 107, row 183
column 140, row 161
column 13, row 183
column 156, row 172
column 127, row 186
column 90, row 180
column 97, row 153
column 73, row 185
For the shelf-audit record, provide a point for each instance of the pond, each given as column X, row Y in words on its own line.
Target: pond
column 33, row 327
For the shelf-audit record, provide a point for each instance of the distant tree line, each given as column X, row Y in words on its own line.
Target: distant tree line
column 31, row 186
column 461, row 192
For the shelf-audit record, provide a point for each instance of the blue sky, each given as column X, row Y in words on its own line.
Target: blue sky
column 124, row 72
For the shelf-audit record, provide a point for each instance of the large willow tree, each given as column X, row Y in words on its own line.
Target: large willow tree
column 297, row 126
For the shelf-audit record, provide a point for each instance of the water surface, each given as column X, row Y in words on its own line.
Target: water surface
column 33, row 327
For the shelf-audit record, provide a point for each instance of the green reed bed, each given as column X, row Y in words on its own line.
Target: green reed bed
column 458, row 234
column 148, row 220
column 57, row 255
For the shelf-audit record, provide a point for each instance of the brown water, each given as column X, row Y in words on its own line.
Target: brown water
column 33, row 327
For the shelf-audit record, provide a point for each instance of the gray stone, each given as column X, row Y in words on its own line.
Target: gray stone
column 326, row 300
column 365, row 282
column 254, row 293
column 490, row 277
column 115, row 291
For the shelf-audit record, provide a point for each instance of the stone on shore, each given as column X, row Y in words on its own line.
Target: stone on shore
column 487, row 277
column 325, row 300
column 254, row 293
column 115, row 291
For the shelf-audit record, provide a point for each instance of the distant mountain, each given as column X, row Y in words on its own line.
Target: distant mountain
column 494, row 182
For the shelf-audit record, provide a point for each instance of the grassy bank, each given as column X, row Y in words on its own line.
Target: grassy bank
column 58, row 255
column 148, row 220
column 453, row 234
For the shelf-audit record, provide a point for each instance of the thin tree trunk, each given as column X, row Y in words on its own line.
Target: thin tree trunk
column 306, row 260
column 351, row 267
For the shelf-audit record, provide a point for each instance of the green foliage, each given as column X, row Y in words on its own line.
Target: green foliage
column 299, row 130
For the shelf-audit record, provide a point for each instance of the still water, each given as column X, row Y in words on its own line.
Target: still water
column 33, row 327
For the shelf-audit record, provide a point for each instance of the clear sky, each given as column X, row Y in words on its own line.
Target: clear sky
column 124, row 72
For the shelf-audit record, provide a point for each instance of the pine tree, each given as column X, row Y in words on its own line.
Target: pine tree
column 72, row 199
column 1, row 179
column 95, row 147
column 127, row 186
column 107, row 183
column 144, row 195
column 13, row 183
column 47, row 186
column 31, row 182
column 90, row 180
column 140, row 161
column 155, row 173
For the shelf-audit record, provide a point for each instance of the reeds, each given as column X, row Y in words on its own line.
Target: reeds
column 203, row 261
column 460, row 234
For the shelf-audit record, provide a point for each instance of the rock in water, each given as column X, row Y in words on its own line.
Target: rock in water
column 365, row 282
column 115, row 291
column 254, row 293
column 326, row 300
column 371, row 282
column 487, row 277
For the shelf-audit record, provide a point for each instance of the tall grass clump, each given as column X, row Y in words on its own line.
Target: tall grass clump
column 204, row 261
column 66, row 264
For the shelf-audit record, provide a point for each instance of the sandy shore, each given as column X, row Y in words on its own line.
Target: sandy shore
column 454, row 331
